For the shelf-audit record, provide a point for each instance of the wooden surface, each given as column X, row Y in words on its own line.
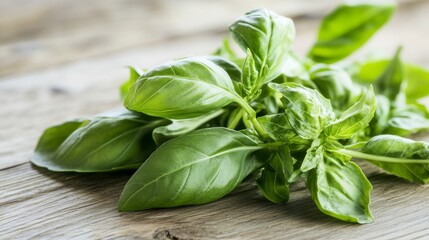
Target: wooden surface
column 35, row 203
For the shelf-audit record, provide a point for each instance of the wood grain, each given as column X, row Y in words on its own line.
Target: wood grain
column 38, row 204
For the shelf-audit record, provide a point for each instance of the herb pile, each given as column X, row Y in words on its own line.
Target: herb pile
column 196, row 127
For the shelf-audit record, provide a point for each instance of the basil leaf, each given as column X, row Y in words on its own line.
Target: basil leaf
column 250, row 78
column 334, row 83
column 381, row 116
column 417, row 77
column 313, row 156
column 184, row 88
column 273, row 182
column 354, row 119
column 104, row 143
column 307, row 111
column 347, row 28
column 278, row 128
column 269, row 38
column 182, row 126
column 192, row 169
column 230, row 67
column 390, row 82
column 406, row 121
column 340, row 189
column 394, row 147
column 135, row 73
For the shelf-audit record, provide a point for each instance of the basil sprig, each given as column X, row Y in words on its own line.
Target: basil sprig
column 196, row 127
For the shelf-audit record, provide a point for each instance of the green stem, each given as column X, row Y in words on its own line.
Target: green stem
column 252, row 117
column 377, row 158
column 236, row 119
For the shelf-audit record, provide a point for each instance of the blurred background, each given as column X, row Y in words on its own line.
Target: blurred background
column 36, row 34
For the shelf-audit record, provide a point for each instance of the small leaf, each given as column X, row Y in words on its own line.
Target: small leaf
column 104, row 143
column 347, row 28
column 180, row 127
column 230, row 67
column 135, row 73
column 391, row 81
column 250, row 78
column 340, row 189
column 273, row 182
column 313, row 157
column 395, row 147
column 180, row 89
column 354, row 119
column 269, row 38
column 277, row 126
column 197, row 168
column 307, row 111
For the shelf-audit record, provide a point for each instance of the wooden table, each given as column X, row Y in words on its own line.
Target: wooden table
column 49, row 76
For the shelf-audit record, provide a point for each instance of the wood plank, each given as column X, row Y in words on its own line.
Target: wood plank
column 36, row 203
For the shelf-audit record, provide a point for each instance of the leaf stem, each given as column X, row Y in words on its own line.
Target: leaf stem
column 377, row 158
column 252, row 117
column 236, row 119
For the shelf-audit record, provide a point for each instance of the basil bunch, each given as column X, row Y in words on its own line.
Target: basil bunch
column 196, row 127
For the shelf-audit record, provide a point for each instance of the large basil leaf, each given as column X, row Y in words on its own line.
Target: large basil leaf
column 273, row 182
column 347, row 28
column 105, row 143
column 192, row 169
column 334, row 83
column 135, row 73
column 269, row 38
column 401, row 149
column 184, row 88
column 354, row 119
column 307, row 111
column 182, row 126
column 340, row 189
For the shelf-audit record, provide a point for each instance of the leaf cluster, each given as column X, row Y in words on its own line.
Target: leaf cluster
column 195, row 128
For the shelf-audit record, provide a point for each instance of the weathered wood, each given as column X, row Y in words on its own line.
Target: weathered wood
column 35, row 203
column 38, row 203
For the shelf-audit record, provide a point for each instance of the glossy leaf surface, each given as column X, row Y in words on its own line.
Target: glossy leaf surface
column 268, row 36
column 340, row 189
column 307, row 111
column 180, row 89
column 400, row 148
column 193, row 169
column 104, row 143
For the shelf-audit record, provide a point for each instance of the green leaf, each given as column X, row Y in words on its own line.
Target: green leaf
column 401, row 149
column 250, row 78
column 116, row 141
column 307, row 111
column 135, row 73
column 192, row 169
column 182, row 126
column 230, row 67
column 347, row 28
column 269, row 38
column 278, row 128
column 184, row 88
column 354, row 119
column 273, row 182
column 340, row 189
column 381, row 116
column 313, row 156
column 334, row 83
column 390, row 82
column 417, row 77
column 407, row 121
